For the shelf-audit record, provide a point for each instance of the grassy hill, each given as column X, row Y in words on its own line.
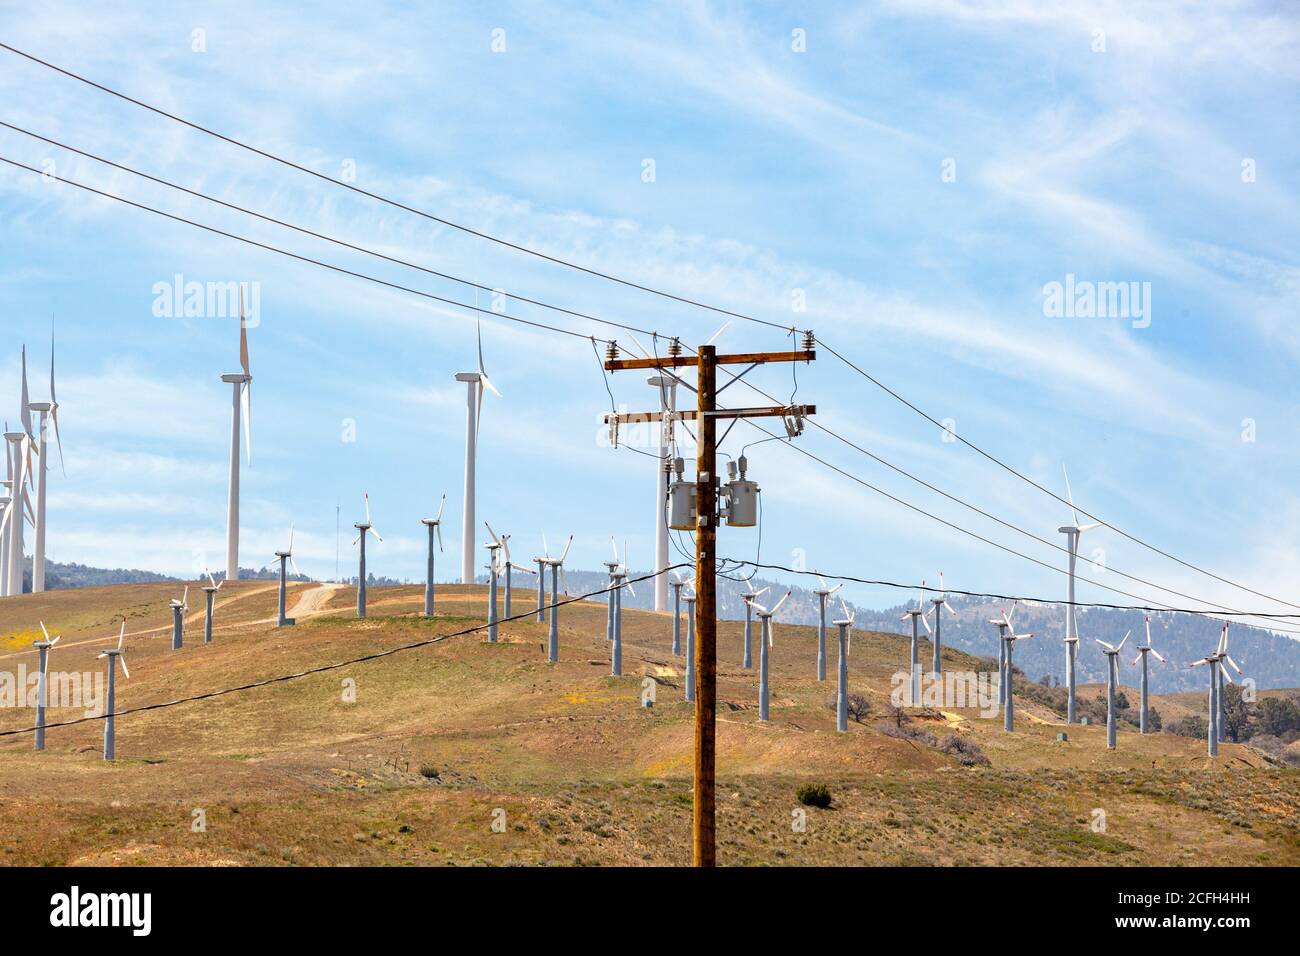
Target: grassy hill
column 446, row 740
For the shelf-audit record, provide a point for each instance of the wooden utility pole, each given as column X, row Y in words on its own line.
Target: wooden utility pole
column 706, row 604
column 706, row 414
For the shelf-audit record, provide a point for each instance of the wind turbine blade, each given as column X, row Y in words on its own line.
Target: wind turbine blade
column 442, row 504
column 1136, row 659
column 1158, row 655
column 121, row 636
column 1148, row 626
column 211, row 579
column 613, row 547
column 546, row 548
column 54, row 403
column 639, row 347
column 295, row 566
column 1226, row 675
column 1070, row 494
column 715, row 335
column 243, row 333
column 496, row 539
column 1232, row 662
column 357, row 538
column 378, row 537
column 564, row 554
column 783, row 598
column 1111, row 647
column 290, row 549
column 122, row 658
column 631, row 589
column 25, row 412
column 836, row 588
column 926, row 621
column 438, row 530
column 44, row 631
column 366, row 495
column 1127, row 634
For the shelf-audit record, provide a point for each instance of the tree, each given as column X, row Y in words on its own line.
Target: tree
column 1277, row 716
column 859, row 706
column 1235, row 714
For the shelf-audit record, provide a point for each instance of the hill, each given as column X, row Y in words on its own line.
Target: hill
column 461, row 751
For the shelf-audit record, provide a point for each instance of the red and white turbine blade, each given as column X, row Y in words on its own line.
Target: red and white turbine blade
column 1158, row 655
column 565, row 553
column 442, row 504
column 1232, row 662
column 780, row 602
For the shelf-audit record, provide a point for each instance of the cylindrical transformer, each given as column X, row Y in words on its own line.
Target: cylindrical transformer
column 681, row 513
column 743, row 512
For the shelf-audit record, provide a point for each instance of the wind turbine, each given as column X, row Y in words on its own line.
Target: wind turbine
column 1009, row 638
column 476, row 382
column 1072, row 533
column 435, row 527
column 914, row 613
column 209, row 593
column 18, row 455
column 240, row 410
column 846, row 642
column 1112, row 679
column 49, row 411
column 1003, row 625
column 178, row 618
column 666, row 385
column 676, row 584
column 557, row 572
column 42, row 684
column 690, row 643
column 1214, row 732
column 113, row 654
column 5, row 510
column 823, row 593
column 940, row 605
column 1224, row 675
column 765, row 645
column 510, row 567
column 493, row 549
column 363, row 528
column 620, row 574
column 1142, row 657
column 747, row 597
column 610, row 567
column 286, row 555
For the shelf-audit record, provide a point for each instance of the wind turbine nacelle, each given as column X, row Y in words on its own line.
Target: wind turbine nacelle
column 681, row 506
column 467, row 376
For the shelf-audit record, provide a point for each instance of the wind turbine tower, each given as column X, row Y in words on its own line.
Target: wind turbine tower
column 42, row 684
column 676, row 584
column 844, row 624
column 18, row 491
column 1009, row 638
column 1072, row 533
column 476, row 382
column 241, row 384
column 1112, row 679
column 666, row 385
column 363, row 528
column 940, row 605
column 920, row 612
column 822, row 594
column 178, row 618
column 690, row 644
column 749, row 595
column 114, row 654
column 285, row 556
column 49, row 412
column 1142, row 658
column 435, row 527
column 209, row 593
column 764, row 646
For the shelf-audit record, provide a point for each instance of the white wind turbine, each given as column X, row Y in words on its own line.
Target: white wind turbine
column 476, row 382
column 113, row 655
column 285, row 556
column 209, row 593
column 691, row 597
column 49, row 412
column 918, row 612
column 1143, row 651
column 1218, row 674
column 179, row 607
column 240, row 411
column 1072, row 533
column 510, row 568
column 494, row 569
column 557, row 574
column 823, row 592
column 435, row 527
column 676, row 583
column 19, row 468
column 42, row 684
column 748, row 659
column 1003, row 625
column 1112, row 652
column 845, row 625
column 1009, row 638
column 764, row 646
column 940, row 605
column 363, row 528
column 620, row 576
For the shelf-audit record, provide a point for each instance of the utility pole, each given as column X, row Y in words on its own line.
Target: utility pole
column 702, row 517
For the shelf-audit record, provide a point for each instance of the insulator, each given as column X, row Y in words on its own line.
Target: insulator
column 611, row 351
column 809, row 340
column 674, row 346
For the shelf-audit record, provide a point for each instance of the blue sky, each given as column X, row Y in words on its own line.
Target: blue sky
column 1088, row 139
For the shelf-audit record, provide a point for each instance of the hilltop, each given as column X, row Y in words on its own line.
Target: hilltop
column 441, row 742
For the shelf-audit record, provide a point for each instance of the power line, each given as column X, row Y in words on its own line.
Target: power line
column 624, row 282
column 969, row 533
column 384, row 199
column 989, row 594
column 307, row 259
column 319, row 235
column 266, row 682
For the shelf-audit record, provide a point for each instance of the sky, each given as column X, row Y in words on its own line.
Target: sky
column 909, row 180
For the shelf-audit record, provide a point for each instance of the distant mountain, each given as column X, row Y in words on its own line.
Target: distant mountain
column 60, row 577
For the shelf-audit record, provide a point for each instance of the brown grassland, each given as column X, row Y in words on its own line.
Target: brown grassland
column 441, row 737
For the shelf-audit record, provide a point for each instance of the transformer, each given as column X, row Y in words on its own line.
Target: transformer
column 742, row 497
column 681, row 500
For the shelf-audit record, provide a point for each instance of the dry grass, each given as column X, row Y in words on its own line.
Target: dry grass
column 294, row 774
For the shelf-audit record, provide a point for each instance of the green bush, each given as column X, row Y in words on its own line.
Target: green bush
column 814, row 795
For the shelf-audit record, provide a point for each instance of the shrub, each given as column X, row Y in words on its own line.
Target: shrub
column 907, row 732
column 859, row 706
column 429, row 772
column 814, row 795
column 967, row 752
